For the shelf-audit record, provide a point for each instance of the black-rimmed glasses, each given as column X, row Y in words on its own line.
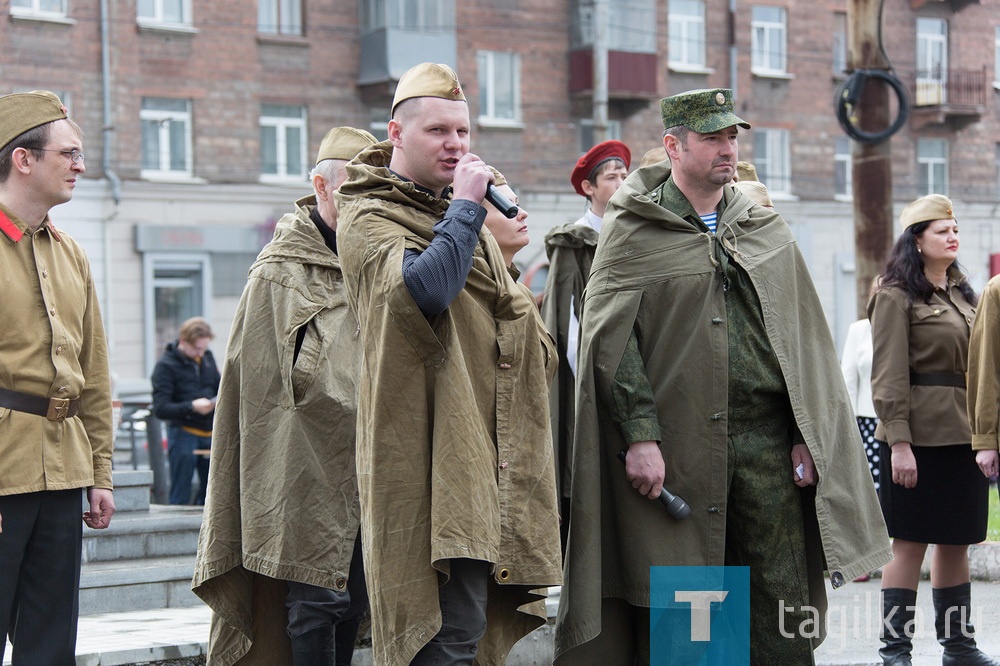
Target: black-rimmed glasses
column 74, row 155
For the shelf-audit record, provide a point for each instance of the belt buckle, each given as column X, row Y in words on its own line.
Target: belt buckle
column 58, row 409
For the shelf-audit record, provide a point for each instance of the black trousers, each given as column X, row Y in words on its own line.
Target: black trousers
column 40, row 549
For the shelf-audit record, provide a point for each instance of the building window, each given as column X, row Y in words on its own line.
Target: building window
column 996, row 58
column 164, row 12
column 282, row 142
column 769, row 54
column 279, row 17
column 39, row 8
column 842, row 168
column 839, row 43
column 176, row 287
column 613, row 131
column 379, row 123
column 773, row 160
column 499, row 87
column 932, row 61
column 420, row 15
column 166, row 137
column 932, row 166
column 631, row 25
column 687, row 34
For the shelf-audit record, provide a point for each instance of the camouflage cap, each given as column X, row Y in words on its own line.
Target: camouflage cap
column 20, row 112
column 927, row 209
column 427, row 79
column 344, row 143
column 702, row 111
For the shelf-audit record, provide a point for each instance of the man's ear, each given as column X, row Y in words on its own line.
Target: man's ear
column 672, row 145
column 19, row 160
column 319, row 186
column 587, row 187
column 395, row 133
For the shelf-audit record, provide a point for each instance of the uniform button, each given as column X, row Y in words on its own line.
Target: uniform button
column 505, row 574
column 714, row 509
column 836, row 579
column 52, row 311
column 340, row 583
column 504, row 464
column 716, row 320
column 505, row 366
column 58, row 350
column 716, row 416
column 45, row 273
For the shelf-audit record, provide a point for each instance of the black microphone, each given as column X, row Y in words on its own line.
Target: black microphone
column 500, row 202
column 676, row 507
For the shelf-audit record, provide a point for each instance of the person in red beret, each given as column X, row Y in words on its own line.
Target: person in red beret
column 570, row 248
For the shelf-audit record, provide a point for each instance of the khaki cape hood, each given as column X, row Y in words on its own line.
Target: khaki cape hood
column 282, row 499
column 454, row 448
column 656, row 269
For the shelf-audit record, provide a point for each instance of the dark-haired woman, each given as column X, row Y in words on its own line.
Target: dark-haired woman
column 932, row 489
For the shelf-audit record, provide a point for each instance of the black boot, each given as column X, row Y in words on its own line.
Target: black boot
column 898, row 608
column 314, row 648
column 955, row 632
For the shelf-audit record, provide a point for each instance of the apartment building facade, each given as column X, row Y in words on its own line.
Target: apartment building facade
column 202, row 118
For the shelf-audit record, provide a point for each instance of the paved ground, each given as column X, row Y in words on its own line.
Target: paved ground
column 178, row 636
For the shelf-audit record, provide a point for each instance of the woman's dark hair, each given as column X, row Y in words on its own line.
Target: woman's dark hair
column 905, row 269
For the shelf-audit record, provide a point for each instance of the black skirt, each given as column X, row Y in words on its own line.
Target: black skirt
column 950, row 503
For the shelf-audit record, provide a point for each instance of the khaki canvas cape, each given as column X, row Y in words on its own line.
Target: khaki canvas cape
column 454, row 448
column 653, row 269
column 570, row 248
column 282, row 498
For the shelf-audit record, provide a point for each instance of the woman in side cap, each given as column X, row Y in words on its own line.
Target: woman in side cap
column 932, row 490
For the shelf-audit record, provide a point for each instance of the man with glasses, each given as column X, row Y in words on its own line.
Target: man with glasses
column 55, row 386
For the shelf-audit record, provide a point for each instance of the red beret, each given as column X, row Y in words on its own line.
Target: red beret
column 596, row 156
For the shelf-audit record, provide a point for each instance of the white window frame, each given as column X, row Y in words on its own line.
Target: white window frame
column 282, row 126
column 686, row 49
column 772, row 157
column 632, row 25
column 842, row 161
column 158, row 20
column 164, row 118
column 769, row 42
column 613, row 131
column 280, row 17
column 426, row 15
column 494, row 67
column 929, row 167
column 33, row 9
column 192, row 269
column 932, row 61
column 839, row 55
column 996, row 58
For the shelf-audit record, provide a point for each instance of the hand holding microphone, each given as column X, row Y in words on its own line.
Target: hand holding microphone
column 676, row 506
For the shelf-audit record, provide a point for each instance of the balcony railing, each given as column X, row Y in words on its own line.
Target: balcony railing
column 952, row 87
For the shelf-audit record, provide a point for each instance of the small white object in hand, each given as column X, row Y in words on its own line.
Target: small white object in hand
column 800, row 471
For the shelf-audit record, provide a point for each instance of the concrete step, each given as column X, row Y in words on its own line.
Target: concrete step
column 162, row 531
column 133, row 585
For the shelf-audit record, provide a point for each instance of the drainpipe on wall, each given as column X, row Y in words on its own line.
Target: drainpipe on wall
column 733, row 61
column 600, row 71
column 107, row 131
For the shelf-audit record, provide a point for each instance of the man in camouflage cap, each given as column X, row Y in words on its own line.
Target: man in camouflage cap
column 288, row 444
column 706, row 357
column 455, row 473
column 55, row 386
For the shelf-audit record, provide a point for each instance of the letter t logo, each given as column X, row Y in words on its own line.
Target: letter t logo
column 701, row 606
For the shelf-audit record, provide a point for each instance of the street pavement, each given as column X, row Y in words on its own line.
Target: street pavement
column 141, row 637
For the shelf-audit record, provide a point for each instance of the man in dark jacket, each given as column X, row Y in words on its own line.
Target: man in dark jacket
column 185, row 385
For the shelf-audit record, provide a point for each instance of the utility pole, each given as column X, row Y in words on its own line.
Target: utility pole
column 871, row 166
column 600, row 71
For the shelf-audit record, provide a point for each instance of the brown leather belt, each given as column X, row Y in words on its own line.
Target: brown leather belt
column 937, row 379
column 54, row 409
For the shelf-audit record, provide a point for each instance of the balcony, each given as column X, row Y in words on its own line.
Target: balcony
column 954, row 97
column 631, row 76
column 953, row 5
